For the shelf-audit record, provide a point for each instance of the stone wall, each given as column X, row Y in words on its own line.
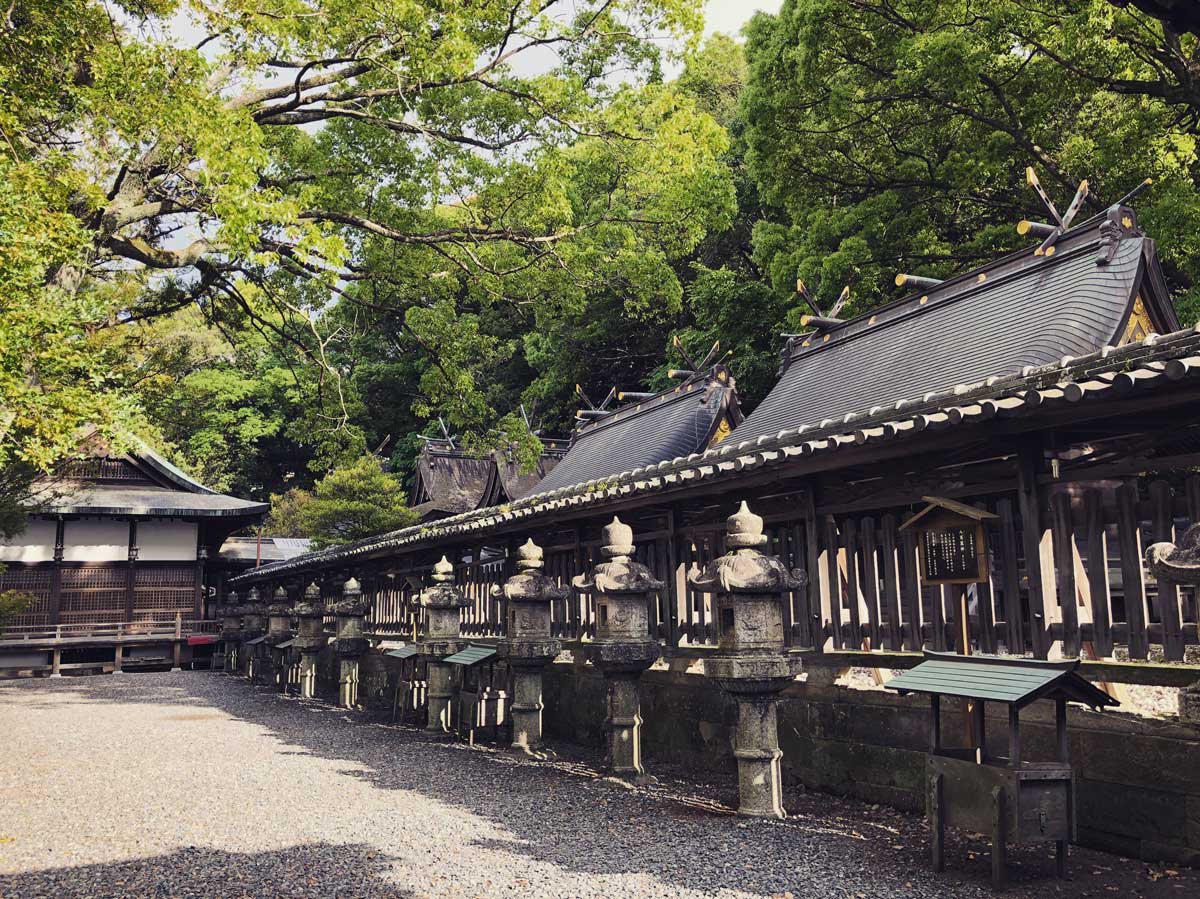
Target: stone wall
column 1137, row 779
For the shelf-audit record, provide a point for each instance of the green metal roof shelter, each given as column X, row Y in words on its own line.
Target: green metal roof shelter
column 1015, row 681
column 969, row 788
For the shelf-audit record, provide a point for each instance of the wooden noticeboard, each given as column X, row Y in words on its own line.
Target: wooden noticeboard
column 951, row 541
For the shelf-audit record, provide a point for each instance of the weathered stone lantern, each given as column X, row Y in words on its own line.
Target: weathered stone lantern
column 279, row 632
column 1180, row 564
column 253, row 621
column 351, row 643
column 751, row 664
column 231, row 630
column 623, row 647
column 443, row 603
column 310, row 614
column 529, row 647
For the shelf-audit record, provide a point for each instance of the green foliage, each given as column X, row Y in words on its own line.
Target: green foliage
column 355, row 500
column 313, row 167
column 894, row 136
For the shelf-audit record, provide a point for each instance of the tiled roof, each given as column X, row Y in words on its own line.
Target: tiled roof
column 1109, row 373
column 1021, row 310
column 674, row 423
column 104, row 499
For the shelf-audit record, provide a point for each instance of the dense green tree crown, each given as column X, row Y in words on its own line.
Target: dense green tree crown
column 352, row 501
column 470, row 171
column 289, row 244
column 893, row 135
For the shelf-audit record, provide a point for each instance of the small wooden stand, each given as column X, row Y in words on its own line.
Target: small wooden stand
column 1013, row 799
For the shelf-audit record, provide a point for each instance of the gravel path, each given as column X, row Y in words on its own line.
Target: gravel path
column 193, row 784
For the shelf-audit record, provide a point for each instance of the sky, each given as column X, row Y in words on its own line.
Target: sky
column 729, row 16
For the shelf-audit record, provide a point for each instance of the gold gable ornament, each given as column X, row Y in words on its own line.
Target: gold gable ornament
column 724, row 429
column 1139, row 325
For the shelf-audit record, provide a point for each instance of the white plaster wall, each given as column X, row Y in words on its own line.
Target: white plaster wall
column 35, row 545
column 163, row 540
column 96, row 540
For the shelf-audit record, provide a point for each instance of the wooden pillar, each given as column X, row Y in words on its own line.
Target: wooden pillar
column 198, row 589
column 978, row 733
column 1038, row 546
column 131, row 569
column 1014, row 736
column 54, row 613
column 999, row 835
column 56, row 662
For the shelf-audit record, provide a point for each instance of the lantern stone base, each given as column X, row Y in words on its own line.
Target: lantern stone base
column 622, row 665
column 527, row 705
column 308, row 675
column 348, row 682
column 438, row 695
column 755, row 682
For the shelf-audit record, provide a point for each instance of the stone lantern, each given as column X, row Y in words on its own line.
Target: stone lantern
column 231, row 630
column 279, row 631
column 528, row 646
column 443, row 603
column 351, row 642
column 751, row 664
column 623, row 647
column 253, row 620
column 310, row 613
column 1180, row 564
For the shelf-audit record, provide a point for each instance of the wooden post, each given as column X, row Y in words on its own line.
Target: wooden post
column 1034, row 539
column 131, row 571
column 937, row 822
column 999, row 836
column 978, row 734
column 1014, row 736
column 54, row 611
column 1131, row 570
column 118, row 656
column 56, row 663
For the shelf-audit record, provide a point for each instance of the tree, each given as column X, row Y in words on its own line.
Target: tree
column 445, row 164
column 352, row 501
column 893, row 135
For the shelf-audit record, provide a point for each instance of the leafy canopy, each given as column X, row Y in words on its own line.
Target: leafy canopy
column 356, row 500
column 452, row 166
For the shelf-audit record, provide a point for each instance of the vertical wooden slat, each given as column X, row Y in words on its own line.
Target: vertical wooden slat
column 1131, row 571
column 938, row 599
column 1029, row 502
column 850, row 530
column 891, row 580
column 1064, row 563
column 812, row 540
column 985, row 599
column 831, row 594
column 1192, row 491
column 786, row 551
column 1168, row 592
column 1010, row 578
column 801, row 539
column 910, row 591
column 870, row 579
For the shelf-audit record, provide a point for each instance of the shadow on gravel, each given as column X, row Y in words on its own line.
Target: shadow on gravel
column 314, row 870
column 564, row 812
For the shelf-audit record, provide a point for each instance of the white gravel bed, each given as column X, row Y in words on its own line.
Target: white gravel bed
column 194, row 784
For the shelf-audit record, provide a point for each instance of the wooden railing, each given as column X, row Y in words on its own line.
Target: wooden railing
column 176, row 628
column 1071, row 579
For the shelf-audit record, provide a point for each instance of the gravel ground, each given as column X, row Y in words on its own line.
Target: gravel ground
column 194, row 784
